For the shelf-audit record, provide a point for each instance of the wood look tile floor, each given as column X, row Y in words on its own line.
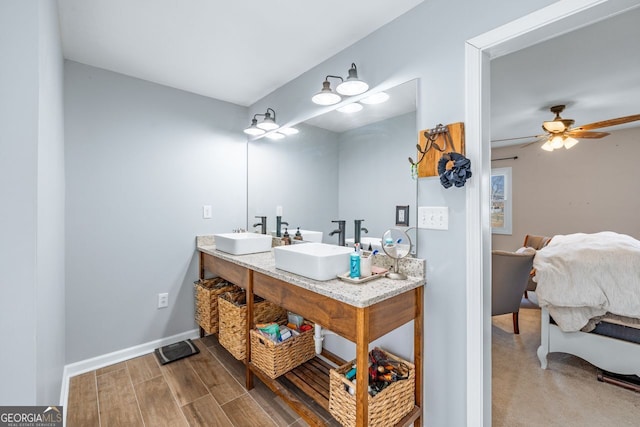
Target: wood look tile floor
column 206, row 389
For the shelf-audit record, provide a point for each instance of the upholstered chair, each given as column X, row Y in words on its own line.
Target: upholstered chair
column 509, row 276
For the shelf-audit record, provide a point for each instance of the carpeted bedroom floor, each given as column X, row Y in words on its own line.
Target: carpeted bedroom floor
column 566, row 394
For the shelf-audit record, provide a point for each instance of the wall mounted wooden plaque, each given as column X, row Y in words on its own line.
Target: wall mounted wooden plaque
column 429, row 165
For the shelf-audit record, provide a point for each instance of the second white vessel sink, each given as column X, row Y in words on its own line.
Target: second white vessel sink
column 242, row 243
column 318, row 261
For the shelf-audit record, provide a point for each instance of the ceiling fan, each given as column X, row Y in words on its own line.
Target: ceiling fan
column 559, row 133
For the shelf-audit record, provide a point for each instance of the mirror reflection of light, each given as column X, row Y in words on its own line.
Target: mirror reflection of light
column 289, row 131
column 275, row 136
column 350, row 108
column 376, row 98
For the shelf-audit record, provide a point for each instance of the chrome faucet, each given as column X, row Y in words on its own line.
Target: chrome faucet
column 358, row 230
column 262, row 224
column 279, row 224
column 339, row 231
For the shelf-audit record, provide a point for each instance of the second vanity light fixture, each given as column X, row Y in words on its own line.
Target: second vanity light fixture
column 349, row 87
column 266, row 124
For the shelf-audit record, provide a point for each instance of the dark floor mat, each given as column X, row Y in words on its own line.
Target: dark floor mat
column 176, row 351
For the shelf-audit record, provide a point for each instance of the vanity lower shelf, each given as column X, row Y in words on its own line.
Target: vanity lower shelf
column 312, row 379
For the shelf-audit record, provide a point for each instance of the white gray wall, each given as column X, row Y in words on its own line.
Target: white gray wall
column 32, row 207
column 428, row 43
column 50, row 335
column 591, row 187
column 141, row 161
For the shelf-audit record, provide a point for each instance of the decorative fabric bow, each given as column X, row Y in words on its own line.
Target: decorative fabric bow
column 458, row 174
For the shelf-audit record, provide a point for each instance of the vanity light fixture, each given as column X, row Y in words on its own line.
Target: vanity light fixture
column 354, row 107
column 376, row 98
column 254, row 130
column 326, row 96
column 266, row 124
column 352, row 85
column 349, row 87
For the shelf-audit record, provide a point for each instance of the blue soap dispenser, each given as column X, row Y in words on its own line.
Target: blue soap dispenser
column 354, row 270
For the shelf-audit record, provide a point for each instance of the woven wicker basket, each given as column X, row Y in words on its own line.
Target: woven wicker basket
column 233, row 323
column 385, row 408
column 275, row 359
column 207, row 291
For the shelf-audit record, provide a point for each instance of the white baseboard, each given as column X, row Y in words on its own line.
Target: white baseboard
column 98, row 362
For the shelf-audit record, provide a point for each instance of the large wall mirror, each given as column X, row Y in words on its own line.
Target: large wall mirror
column 340, row 166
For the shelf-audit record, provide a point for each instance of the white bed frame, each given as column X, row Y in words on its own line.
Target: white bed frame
column 610, row 354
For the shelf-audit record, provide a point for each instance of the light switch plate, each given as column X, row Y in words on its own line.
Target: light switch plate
column 434, row 218
column 206, row 212
column 163, row 300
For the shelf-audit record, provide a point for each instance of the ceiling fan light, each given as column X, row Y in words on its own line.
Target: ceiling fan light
column 554, row 126
column 547, row 146
column 326, row 96
column 557, row 141
column 570, row 142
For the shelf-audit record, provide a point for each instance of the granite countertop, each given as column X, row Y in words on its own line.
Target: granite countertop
column 357, row 295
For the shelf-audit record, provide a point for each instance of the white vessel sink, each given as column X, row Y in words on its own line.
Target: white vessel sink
column 242, row 243
column 307, row 235
column 375, row 242
column 318, row 261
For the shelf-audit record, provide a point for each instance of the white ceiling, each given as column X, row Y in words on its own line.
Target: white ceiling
column 595, row 71
column 237, row 51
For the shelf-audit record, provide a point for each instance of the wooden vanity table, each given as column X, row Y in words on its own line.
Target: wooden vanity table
column 358, row 318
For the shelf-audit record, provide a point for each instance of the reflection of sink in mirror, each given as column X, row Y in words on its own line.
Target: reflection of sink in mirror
column 318, row 261
column 375, row 242
column 307, row 235
column 242, row 243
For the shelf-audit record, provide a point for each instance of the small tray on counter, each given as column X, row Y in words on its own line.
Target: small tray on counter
column 360, row 280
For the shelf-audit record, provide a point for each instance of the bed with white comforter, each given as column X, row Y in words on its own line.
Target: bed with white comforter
column 582, row 278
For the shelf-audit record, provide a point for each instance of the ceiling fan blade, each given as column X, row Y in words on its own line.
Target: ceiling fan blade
column 584, row 134
column 515, row 139
column 610, row 122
